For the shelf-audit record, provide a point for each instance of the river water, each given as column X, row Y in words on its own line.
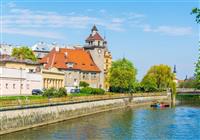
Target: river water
column 179, row 123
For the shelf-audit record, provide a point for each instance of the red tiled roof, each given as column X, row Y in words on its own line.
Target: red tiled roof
column 80, row 58
column 96, row 36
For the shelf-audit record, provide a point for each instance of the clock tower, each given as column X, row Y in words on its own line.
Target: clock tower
column 97, row 46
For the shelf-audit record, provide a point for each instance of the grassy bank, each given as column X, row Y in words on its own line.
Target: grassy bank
column 8, row 101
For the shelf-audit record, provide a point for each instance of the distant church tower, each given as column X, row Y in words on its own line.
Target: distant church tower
column 97, row 46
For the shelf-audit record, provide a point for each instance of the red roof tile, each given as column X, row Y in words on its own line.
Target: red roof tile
column 80, row 58
column 96, row 36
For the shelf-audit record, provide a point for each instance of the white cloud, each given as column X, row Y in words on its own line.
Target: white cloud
column 24, row 20
column 36, row 33
column 169, row 30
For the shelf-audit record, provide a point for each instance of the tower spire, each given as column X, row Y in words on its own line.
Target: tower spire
column 94, row 28
column 174, row 71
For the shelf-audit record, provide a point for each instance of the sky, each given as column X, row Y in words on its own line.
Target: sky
column 147, row 32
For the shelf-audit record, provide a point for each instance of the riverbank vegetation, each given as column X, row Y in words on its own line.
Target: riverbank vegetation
column 196, row 81
column 123, row 78
column 35, row 100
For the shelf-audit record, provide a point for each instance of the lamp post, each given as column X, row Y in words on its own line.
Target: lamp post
column 20, row 81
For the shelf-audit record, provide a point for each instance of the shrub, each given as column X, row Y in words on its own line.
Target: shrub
column 83, row 84
column 90, row 90
column 61, row 92
column 52, row 92
column 49, row 92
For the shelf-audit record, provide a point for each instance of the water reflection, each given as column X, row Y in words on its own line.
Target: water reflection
column 181, row 122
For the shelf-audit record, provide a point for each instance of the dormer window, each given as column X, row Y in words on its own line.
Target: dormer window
column 70, row 65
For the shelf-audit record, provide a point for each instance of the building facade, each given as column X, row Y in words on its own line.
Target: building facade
column 97, row 46
column 52, row 78
column 19, row 77
column 76, row 64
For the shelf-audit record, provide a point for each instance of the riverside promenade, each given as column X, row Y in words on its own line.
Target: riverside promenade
column 16, row 118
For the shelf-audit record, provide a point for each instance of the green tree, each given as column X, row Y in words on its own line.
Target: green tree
column 159, row 75
column 122, row 75
column 149, row 83
column 24, row 53
column 196, row 11
column 197, row 72
column 190, row 83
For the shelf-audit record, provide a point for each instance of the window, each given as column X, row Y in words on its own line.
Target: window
column 69, row 75
column 93, row 75
column 27, row 86
column 21, row 86
column 70, row 65
column 98, row 43
column 6, row 85
column 13, row 86
column 31, row 70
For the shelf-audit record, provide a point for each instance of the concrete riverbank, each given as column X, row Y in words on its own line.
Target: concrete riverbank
column 19, row 119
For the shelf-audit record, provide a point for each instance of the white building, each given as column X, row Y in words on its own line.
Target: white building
column 18, row 81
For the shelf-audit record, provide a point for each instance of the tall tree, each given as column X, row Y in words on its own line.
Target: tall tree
column 24, row 53
column 122, row 75
column 196, row 11
column 159, row 75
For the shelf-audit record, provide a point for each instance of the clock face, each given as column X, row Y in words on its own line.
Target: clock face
column 99, row 50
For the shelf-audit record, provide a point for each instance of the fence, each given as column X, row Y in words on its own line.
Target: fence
column 27, row 102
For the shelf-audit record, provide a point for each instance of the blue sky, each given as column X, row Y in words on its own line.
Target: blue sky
column 145, row 32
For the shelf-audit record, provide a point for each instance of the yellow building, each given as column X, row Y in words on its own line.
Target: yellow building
column 12, row 62
column 52, row 78
column 107, row 66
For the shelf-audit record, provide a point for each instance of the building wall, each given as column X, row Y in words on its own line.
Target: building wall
column 53, row 78
column 18, row 82
column 98, row 57
column 19, row 65
column 107, row 66
column 73, row 78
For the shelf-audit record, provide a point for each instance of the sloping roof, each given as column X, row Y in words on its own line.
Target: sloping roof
column 80, row 58
column 96, row 36
column 94, row 28
column 16, row 60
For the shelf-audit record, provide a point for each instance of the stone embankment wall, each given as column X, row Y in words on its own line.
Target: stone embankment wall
column 15, row 120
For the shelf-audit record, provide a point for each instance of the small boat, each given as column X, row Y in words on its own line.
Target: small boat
column 159, row 105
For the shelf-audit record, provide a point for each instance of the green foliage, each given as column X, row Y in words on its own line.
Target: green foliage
column 24, row 53
column 61, row 92
column 197, row 72
column 149, row 83
column 190, row 83
column 122, row 75
column 196, row 11
column 89, row 90
column 158, row 77
column 52, row 92
column 83, row 84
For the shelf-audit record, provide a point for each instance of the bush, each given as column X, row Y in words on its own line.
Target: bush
column 89, row 90
column 61, row 92
column 83, row 84
column 49, row 92
column 52, row 92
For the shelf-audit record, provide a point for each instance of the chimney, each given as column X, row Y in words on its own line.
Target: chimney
column 57, row 49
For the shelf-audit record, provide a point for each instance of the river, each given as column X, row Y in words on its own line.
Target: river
column 179, row 123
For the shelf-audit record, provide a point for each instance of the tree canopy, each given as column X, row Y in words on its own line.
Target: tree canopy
column 122, row 75
column 158, row 77
column 24, row 53
column 196, row 11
